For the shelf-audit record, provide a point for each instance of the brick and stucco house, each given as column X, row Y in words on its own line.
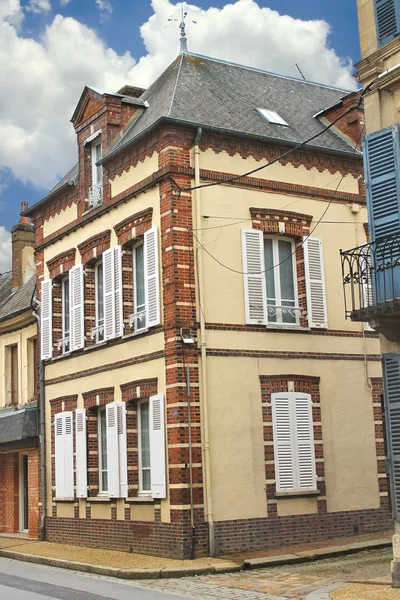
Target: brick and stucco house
column 204, row 392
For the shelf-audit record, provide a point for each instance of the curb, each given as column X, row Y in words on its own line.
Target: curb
column 317, row 554
column 190, row 571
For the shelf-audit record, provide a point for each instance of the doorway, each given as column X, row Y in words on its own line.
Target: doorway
column 24, row 505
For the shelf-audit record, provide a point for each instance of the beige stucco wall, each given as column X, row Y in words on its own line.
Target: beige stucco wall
column 61, row 219
column 223, row 289
column 366, row 27
column 133, row 175
column 28, row 263
column 22, row 337
column 277, row 172
column 236, row 434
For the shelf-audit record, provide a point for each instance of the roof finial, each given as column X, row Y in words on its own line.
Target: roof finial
column 182, row 27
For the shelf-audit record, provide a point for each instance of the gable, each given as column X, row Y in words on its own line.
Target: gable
column 90, row 108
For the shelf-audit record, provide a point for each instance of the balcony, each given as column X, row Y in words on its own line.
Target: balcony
column 371, row 283
column 96, row 195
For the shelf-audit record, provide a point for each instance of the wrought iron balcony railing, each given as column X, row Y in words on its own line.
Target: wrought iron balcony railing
column 96, row 195
column 371, row 279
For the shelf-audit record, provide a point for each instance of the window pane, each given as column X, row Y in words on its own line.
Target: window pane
column 99, row 300
column 286, row 278
column 103, row 451
column 65, row 288
column 97, row 158
column 269, row 277
column 145, row 446
column 139, row 285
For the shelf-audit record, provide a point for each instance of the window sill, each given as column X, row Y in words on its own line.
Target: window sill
column 135, row 334
column 303, row 494
column 95, row 346
column 100, row 499
column 275, row 327
column 140, row 500
column 65, row 499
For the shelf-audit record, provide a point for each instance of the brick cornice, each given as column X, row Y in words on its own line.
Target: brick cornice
column 95, row 245
column 142, row 388
column 134, row 226
column 61, row 263
column 70, row 398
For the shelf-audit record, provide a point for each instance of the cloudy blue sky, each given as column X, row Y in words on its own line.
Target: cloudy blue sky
column 49, row 49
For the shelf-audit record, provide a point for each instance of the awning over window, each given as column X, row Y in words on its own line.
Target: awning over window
column 18, row 427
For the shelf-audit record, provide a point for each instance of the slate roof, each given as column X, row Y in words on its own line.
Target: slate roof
column 214, row 94
column 12, row 303
column 18, row 425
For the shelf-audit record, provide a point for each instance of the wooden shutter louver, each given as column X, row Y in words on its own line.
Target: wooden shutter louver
column 381, row 165
column 152, row 285
column 254, row 277
column 386, row 20
column 76, row 307
column 109, row 294
column 315, row 283
column 122, row 449
column 112, row 451
column 157, row 446
column 59, row 451
column 305, row 443
column 46, row 316
column 69, row 455
column 64, row 454
column 119, row 315
column 81, row 453
column 391, row 372
column 283, row 443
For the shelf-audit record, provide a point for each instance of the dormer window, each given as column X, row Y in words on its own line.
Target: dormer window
column 272, row 117
column 96, row 190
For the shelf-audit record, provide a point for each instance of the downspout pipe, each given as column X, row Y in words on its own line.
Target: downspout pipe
column 203, row 347
column 42, row 437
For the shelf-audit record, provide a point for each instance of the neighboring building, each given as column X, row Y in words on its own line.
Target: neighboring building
column 372, row 272
column 283, row 443
column 19, row 469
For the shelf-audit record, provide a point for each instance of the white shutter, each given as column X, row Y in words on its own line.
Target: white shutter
column 122, row 449
column 112, row 450
column 315, row 283
column 46, row 315
column 304, row 454
column 254, row 276
column 81, row 453
column 109, row 294
column 64, row 454
column 152, row 284
column 76, row 308
column 284, row 443
column 69, row 455
column 157, row 446
column 59, row 448
column 119, row 315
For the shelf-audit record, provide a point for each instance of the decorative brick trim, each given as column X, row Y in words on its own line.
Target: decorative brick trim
column 268, row 220
column 62, row 263
column 94, row 246
column 137, row 390
column 96, row 398
column 108, row 367
column 379, row 426
column 69, row 403
column 305, row 384
column 305, row 331
column 286, row 354
column 133, row 226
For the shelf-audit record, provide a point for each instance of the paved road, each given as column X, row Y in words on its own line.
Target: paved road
column 23, row 581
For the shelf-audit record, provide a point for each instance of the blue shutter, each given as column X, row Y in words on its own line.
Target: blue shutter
column 391, row 380
column 381, row 163
column 387, row 13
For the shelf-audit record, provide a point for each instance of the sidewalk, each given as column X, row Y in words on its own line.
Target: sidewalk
column 365, row 592
column 137, row 566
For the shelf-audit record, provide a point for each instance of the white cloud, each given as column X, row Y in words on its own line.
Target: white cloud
column 64, row 2
column 5, row 250
column 42, row 79
column 105, row 9
column 38, row 6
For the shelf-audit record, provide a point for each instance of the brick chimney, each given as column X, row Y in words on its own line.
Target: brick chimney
column 23, row 242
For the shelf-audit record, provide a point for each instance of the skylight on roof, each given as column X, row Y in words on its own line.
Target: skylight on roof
column 272, row 117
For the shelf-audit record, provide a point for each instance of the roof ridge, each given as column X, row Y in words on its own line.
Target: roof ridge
column 175, row 86
column 258, row 70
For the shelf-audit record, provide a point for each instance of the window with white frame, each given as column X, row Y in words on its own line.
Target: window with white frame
column 64, row 343
column 98, row 330
column 102, row 448
column 281, row 281
column 139, row 300
column 96, row 191
column 292, row 422
column 144, row 447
